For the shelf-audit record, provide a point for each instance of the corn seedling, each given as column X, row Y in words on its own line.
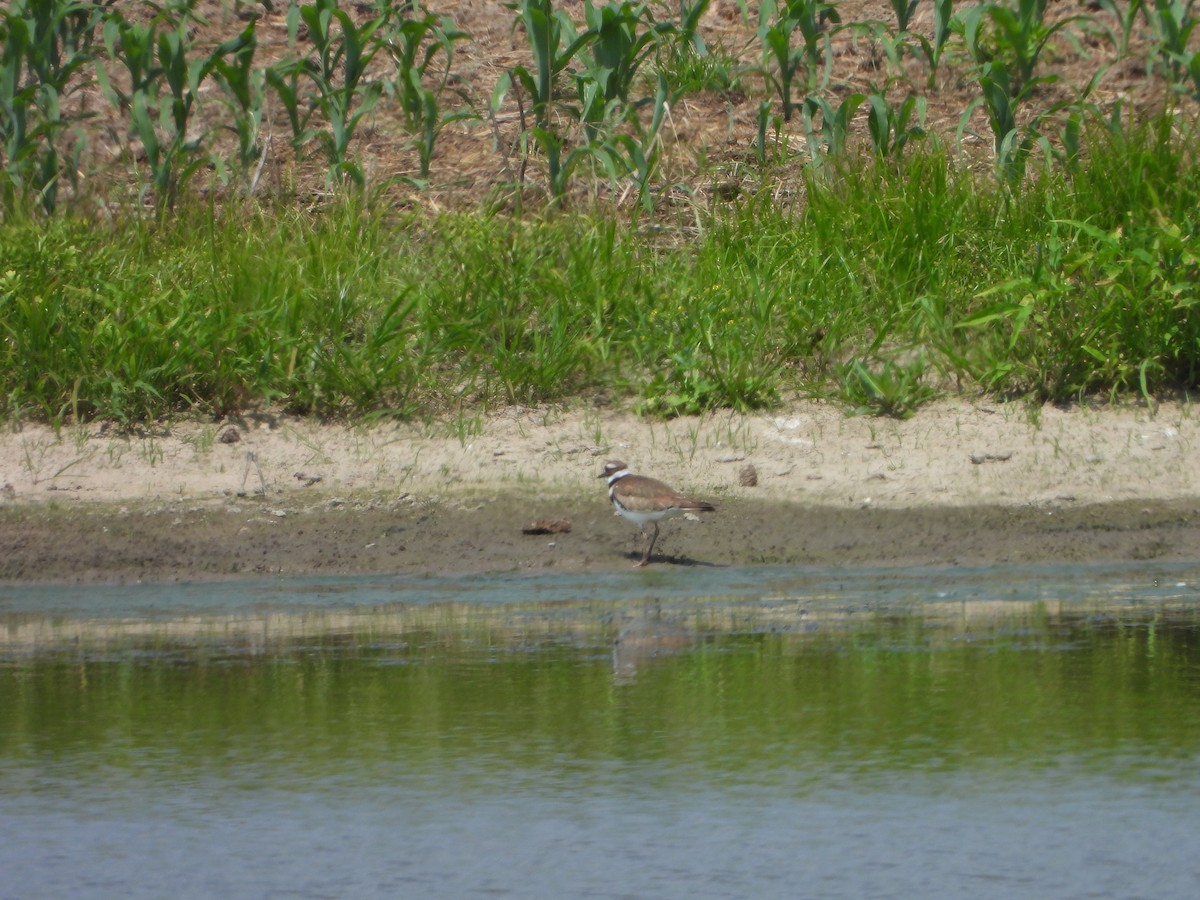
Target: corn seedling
column 1014, row 145
column 285, row 80
column 1126, row 12
column 562, row 158
column 244, row 94
column 154, row 59
column 892, row 127
column 641, row 154
column 828, row 141
column 943, row 23
column 44, row 46
column 622, row 35
column 1012, row 141
column 1173, row 22
column 688, row 30
column 767, row 121
column 783, row 61
column 415, row 43
column 130, row 44
column 904, row 10
column 615, row 42
column 1013, row 34
column 592, row 109
column 554, row 43
column 883, row 40
column 343, row 96
column 344, row 51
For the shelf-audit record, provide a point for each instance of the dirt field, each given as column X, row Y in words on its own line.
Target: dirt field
column 957, row 484
column 708, row 138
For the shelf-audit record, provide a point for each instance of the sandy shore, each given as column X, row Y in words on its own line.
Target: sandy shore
column 269, row 495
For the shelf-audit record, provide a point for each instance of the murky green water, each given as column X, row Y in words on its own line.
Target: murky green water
column 932, row 733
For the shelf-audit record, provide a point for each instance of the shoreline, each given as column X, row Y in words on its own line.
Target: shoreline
column 957, row 484
column 172, row 545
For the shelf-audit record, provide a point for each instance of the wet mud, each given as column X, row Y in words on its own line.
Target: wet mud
column 241, row 538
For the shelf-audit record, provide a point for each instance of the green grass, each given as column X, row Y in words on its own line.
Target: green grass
column 892, row 282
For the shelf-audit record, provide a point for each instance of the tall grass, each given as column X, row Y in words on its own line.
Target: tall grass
column 899, row 273
column 897, row 279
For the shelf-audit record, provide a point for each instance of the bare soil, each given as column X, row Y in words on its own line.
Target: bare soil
column 958, row 484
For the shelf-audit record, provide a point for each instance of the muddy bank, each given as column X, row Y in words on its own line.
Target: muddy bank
column 270, row 495
column 240, row 538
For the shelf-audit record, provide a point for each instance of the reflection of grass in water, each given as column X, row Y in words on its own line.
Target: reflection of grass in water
column 584, row 623
column 531, row 689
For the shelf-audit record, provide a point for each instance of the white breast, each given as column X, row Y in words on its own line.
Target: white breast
column 644, row 516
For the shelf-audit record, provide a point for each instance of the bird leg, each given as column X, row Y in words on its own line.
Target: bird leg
column 648, row 542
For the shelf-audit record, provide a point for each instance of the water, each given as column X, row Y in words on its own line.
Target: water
column 997, row 732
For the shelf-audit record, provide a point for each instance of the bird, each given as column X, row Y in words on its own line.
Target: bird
column 646, row 501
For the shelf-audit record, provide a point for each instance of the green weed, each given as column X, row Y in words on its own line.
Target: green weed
column 887, row 388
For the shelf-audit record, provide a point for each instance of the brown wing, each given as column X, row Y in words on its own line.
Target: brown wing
column 642, row 494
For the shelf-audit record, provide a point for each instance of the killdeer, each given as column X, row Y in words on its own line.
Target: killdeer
column 644, row 500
